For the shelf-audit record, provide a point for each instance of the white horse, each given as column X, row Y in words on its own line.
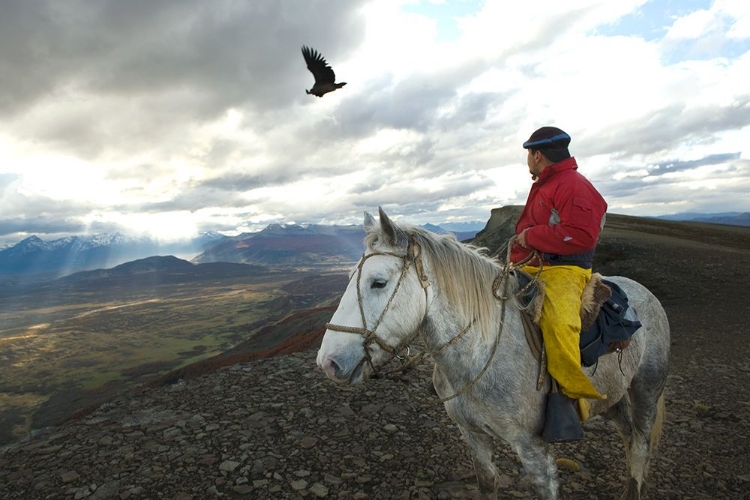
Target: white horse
column 413, row 283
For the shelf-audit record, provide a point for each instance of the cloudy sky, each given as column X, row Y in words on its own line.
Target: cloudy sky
column 175, row 117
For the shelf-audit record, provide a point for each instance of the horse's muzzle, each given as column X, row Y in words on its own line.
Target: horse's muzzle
column 340, row 371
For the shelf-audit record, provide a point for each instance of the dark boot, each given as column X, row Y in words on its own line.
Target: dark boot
column 561, row 421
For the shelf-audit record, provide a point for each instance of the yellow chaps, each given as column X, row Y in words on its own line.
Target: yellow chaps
column 561, row 327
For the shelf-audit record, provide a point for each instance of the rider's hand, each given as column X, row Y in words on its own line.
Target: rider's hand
column 521, row 239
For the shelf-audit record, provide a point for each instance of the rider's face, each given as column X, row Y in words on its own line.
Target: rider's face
column 534, row 161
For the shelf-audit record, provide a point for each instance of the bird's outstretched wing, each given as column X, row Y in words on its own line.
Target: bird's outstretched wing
column 318, row 66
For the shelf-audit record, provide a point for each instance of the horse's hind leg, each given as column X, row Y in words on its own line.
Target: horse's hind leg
column 620, row 414
column 638, row 423
column 480, row 447
column 539, row 465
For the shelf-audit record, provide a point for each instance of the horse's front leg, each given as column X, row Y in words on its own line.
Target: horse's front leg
column 539, row 465
column 481, row 447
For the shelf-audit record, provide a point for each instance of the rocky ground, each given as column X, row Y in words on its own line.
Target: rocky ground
column 277, row 429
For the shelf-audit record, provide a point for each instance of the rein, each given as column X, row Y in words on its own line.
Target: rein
column 501, row 280
column 413, row 255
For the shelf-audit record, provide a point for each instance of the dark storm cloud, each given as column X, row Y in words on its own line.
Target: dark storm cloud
column 171, row 60
column 612, row 189
column 655, row 174
column 40, row 225
column 190, row 200
column 38, row 215
column 471, row 109
column 411, row 159
column 416, row 104
column 666, row 129
column 410, row 104
column 657, row 185
column 670, row 193
column 381, row 191
column 223, row 191
column 42, row 205
column 235, row 50
column 682, row 165
column 240, row 182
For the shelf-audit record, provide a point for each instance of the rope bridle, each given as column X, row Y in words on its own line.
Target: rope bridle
column 369, row 335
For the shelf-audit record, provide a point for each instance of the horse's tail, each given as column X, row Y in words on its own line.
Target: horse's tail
column 658, row 426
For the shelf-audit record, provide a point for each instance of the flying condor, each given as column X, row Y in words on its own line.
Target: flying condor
column 325, row 78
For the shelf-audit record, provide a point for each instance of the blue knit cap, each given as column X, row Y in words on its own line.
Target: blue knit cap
column 548, row 138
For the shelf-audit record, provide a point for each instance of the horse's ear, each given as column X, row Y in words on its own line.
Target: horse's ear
column 394, row 235
column 370, row 222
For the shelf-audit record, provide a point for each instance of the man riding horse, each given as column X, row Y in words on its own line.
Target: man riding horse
column 561, row 220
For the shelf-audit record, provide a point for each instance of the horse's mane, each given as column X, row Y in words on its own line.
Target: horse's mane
column 463, row 273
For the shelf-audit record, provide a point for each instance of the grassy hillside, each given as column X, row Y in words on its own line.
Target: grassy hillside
column 72, row 343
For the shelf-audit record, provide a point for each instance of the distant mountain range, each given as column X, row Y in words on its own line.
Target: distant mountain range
column 278, row 245
column 52, row 259
column 290, row 245
column 463, row 230
column 727, row 218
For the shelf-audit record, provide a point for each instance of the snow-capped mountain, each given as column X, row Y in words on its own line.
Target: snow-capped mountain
column 297, row 245
column 71, row 254
column 30, row 245
column 290, row 245
column 282, row 244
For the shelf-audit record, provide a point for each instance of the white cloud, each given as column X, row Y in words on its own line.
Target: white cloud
column 694, row 25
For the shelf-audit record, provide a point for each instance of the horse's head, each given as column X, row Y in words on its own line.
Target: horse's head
column 382, row 307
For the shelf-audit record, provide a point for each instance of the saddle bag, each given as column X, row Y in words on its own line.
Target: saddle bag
column 616, row 323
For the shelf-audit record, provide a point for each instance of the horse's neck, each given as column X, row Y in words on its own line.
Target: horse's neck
column 459, row 359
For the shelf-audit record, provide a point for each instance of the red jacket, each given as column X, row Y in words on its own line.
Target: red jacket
column 565, row 213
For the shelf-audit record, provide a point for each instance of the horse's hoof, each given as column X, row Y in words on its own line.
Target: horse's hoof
column 633, row 491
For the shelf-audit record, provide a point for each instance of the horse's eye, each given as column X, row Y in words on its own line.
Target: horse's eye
column 378, row 283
